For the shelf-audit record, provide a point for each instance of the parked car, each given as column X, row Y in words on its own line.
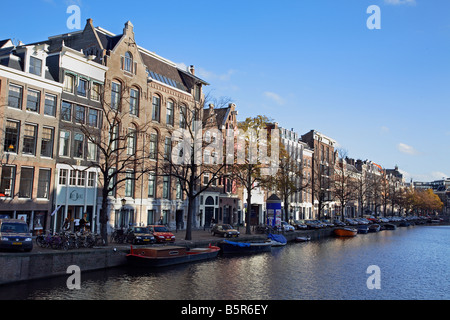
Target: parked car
column 286, row 227
column 225, row 230
column 14, row 234
column 161, row 233
column 299, row 225
column 139, row 235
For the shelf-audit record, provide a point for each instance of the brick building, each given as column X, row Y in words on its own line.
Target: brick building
column 29, row 109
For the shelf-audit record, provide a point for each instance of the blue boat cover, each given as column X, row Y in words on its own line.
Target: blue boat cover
column 277, row 237
column 238, row 244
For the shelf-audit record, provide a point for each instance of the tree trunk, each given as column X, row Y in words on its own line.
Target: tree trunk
column 104, row 219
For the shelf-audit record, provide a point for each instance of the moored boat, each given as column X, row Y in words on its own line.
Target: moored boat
column 345, row 232
column 363, row 229
column 278, row 240
column 231, row 247
column 169, row 255
column 389, row 226
column 374, row 228
column 303, row 239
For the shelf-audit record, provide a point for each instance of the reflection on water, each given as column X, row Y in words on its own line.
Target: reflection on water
column 413, row 261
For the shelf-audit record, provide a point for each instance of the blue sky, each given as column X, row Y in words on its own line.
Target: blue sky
column 383, row 94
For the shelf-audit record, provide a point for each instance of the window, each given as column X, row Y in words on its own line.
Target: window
column 129, row 184
column 92, row 151
column 205, row 178
column 43, row 190
column 134, row 102
column 26, row 183
column 64, row 143
column 179, row 191
column 197, row 93
column 47, row 142
column 169, row 113
column 131, row 141
column 128, row 62
column 33, row 100
column 29, row 139
column 66, row 111
column 115, row 96
column 8, row 180
column 151, row 185
column 73, row 178
column 166, row 187
column 156, row 111
column 96, row 91
column 50, row 105
column 78, row 145
column 167, row 148
column 15, row 96
column 112, row 181
column 91, row 179
column 82, row 87
column 11, row 142
column 153, row 146
column 35, row 66
column 93, row 118
column 63, row 177
column 114, row 138
column 183, row 117
column 69, row 81
column 80, row 114
column 81, row 181
column 150, row 217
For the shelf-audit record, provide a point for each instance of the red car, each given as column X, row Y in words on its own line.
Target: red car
column 161, row 234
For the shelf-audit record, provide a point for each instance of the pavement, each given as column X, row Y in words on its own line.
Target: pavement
column 200, row 238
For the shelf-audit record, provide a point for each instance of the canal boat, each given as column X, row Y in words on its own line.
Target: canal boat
column 231, row 247
column 389, row 226
column 303, row 239
column 363, row 229
column 278, row 240
column 169, row 255
column 374, row 228
column 345, row 232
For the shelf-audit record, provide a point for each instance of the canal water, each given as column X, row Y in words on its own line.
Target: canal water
column 413, row 264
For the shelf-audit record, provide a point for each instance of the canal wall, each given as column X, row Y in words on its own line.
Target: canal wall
column 16, row 267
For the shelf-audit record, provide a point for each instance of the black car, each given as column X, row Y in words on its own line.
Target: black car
column 14, row 235
column 139, row 235
column 225, row 230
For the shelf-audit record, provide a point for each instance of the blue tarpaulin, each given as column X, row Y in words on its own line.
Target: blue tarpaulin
column 277, row 237
column 238, row 244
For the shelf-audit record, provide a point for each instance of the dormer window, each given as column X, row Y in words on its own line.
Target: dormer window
column 35, row 66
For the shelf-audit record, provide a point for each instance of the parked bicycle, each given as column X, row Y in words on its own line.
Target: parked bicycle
column 118, row 236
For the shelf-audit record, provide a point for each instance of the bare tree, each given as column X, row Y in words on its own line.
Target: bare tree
column 192, row 157
column 288, row 180
column 343, row 182
column 118, row 148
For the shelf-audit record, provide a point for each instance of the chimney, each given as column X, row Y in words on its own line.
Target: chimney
column 192, row 69
column 211, row 106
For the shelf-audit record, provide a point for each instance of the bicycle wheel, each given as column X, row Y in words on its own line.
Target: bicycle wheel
column 40, row 241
